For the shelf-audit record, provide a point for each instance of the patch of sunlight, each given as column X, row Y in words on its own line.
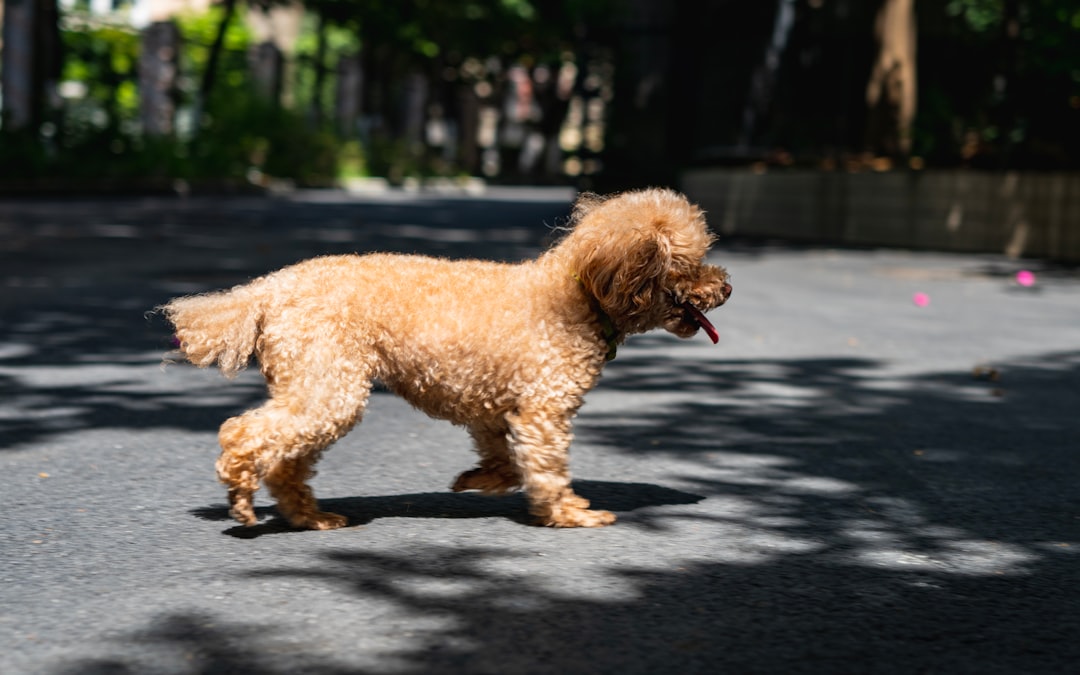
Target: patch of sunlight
column 818, row 485
column 968, row 556
column 433, row 587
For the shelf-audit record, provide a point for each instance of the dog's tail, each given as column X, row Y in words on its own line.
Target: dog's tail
column 220, row 327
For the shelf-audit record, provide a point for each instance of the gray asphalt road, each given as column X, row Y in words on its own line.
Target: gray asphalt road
column 848, row 483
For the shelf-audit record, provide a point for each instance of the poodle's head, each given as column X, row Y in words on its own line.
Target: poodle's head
column 641, row 256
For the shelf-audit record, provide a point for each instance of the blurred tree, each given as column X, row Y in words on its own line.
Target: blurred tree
column 992, row 83
column 891, row 90
column 32, row 59
column 763, row 81
column 209, row 74
column 159, row 72
column 20, row 20
column 102, row 58
column 447, row 86
column 1005, row 89
column 427, row 57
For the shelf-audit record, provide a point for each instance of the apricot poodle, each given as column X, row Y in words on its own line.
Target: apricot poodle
column 506, row 350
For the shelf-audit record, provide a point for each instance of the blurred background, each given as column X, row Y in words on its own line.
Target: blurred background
column 930, row 123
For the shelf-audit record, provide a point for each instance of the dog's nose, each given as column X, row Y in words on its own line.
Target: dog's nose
column 727, row 291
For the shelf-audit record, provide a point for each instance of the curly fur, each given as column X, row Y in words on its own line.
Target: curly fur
column 506, row 350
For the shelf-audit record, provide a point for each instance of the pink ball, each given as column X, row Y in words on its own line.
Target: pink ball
column 1025, row 278
column 921, row 299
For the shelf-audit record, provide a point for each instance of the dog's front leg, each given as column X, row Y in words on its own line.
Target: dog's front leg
column 539, row 447
column 496, row 473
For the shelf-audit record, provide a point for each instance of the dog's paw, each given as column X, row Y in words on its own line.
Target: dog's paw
column 575, row 501
column 574, row 517
column 244, row 514
column 319, row 520
column 488, row 481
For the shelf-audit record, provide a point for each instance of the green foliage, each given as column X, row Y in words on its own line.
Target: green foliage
column 97, row 133
column 352, row 161
column 423, row 30
column 103, row 59
column 1041, row 21
column 980, row 15
column 245, row 136
column 997, row 78
column 1011, row 93
column 339, row 40
column 98, row 140
column 22, row 156
column 199, row 31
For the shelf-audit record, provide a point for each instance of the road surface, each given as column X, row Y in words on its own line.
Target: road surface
column 850, row 482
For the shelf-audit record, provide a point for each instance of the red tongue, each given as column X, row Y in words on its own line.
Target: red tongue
column 709, row 329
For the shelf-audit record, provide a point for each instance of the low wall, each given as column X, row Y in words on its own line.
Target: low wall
column 1016, row 213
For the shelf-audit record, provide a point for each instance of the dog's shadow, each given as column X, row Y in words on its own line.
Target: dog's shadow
column 610, row 496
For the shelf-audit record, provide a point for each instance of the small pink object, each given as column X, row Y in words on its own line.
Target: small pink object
column 1025, row 278
column 921, row 299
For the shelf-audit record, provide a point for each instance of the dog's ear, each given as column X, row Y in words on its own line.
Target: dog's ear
column 624, row 275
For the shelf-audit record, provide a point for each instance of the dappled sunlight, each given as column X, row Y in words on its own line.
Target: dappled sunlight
column 45, row 402
column 504, row 609
column 423, row 608
column 84, row 367
column 795, row 502
column 91, row 356
column 859, row 462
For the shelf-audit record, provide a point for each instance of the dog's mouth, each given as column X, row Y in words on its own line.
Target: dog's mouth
column 696, row 316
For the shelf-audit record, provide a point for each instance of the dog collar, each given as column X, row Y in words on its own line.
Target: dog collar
column 607, row 326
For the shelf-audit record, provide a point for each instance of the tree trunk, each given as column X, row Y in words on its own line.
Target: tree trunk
column 158, row 75
column 267, row 68
column 18, row 74
column 764, row 79
column 639, row 148
column 1005, row 110
column 349, row 94
column 318, row 107
column 413, row 111
column 206, row 86
column 891, row 91
column 31, row 61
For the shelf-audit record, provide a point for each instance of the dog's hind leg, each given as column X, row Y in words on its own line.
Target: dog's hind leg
column 280, row 442
column 237, row 466
column 540, row 450
column 287, row 480
column 300, row 443
column 496, row 473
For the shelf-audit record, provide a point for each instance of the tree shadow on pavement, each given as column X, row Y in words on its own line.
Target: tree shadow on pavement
column 43, row 401
column 611, row 496
column 797, row 613
column 993, row 454
column 79, row 282
column 804, row 613
column 205, row 644
column 862, row 522
column 855, row 519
